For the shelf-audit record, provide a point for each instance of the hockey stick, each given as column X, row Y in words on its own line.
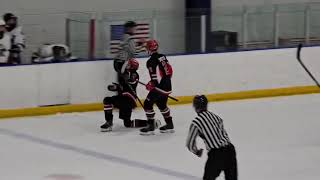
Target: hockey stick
column 304, row 67
column 160, row 91
column 135, row 94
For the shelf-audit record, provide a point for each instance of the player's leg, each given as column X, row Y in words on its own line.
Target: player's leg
column 213, row 165
column 125, row 110
column 125, row 115
column 165, row 111
column 126, row 105
column 148, row 107
column 231, row 170
column 108, row 108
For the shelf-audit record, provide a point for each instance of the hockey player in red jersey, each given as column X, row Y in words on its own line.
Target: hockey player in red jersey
column 160, row 72
column 125, row 101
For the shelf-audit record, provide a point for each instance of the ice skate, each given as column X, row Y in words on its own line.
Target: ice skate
column 106, row 127
column 149, row 130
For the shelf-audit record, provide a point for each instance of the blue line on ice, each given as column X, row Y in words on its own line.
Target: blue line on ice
column 98, row 155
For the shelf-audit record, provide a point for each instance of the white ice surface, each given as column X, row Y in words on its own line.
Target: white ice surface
column 275, row 139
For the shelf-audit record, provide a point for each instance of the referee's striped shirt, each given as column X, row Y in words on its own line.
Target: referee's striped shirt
column 128, row 48
column 209, row 127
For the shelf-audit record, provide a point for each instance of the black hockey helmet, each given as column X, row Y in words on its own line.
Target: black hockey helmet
column 8, row 16
column 130, row 24
column 200, row 103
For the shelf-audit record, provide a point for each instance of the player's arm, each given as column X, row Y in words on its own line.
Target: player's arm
column 191, row 140
column 152, row 65
column 19, row 39
column 152, row 68
column 134, row 47
column 140, row 46
column 168, row 71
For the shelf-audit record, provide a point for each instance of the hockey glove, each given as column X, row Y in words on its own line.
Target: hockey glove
column 150, row 86
column 112, row 87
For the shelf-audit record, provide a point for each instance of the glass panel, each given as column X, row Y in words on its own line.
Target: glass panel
column 291, row 24
column 314, row 14
column 228, row 19
column 170, row 31
column 38, row 31
column 253, row 26
column 79, row 32
column 260, row 26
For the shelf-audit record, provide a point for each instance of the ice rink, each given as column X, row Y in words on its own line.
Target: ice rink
column 275, row 138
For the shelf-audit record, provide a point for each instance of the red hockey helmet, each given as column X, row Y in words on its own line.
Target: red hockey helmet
column 152, row 45
column 133, row 64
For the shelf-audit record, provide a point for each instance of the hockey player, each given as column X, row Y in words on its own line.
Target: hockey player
column 53, row 53
column 128, row 48
column 17, row 37
column 125, row 101
column 160, row 72
column 5, row 44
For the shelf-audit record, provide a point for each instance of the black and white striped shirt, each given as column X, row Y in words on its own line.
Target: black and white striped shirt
column 209, row 127
column 128, row 48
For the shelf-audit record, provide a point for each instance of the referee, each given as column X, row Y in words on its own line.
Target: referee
column 128, row 47
column 221, row 153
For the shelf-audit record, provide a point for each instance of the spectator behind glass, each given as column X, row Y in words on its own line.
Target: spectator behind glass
column 17, row 38
column 5, row 44
column 52, row 53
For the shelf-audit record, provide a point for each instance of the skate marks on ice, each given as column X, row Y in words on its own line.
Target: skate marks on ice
column 98, row 155
column 64, row 177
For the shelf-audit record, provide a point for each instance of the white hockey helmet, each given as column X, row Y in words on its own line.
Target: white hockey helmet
column 2, row 23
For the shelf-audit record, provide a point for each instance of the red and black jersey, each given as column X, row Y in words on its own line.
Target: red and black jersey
column 128, row 84
column 160, row 72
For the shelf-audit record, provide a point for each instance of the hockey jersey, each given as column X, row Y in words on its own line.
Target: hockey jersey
column 160, row 72
column 17, row 38
column 128, row 83
column 5, row 46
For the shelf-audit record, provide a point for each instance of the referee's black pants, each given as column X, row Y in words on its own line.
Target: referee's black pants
column 222, row 159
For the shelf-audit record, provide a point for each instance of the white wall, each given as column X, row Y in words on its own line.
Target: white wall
column 19, row 88
column 86, row 82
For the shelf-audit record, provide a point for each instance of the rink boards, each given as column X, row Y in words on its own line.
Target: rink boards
column 81, row 86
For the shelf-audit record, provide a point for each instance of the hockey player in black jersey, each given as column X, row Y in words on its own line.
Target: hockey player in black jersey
column 160, row 72
column 125, row 101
